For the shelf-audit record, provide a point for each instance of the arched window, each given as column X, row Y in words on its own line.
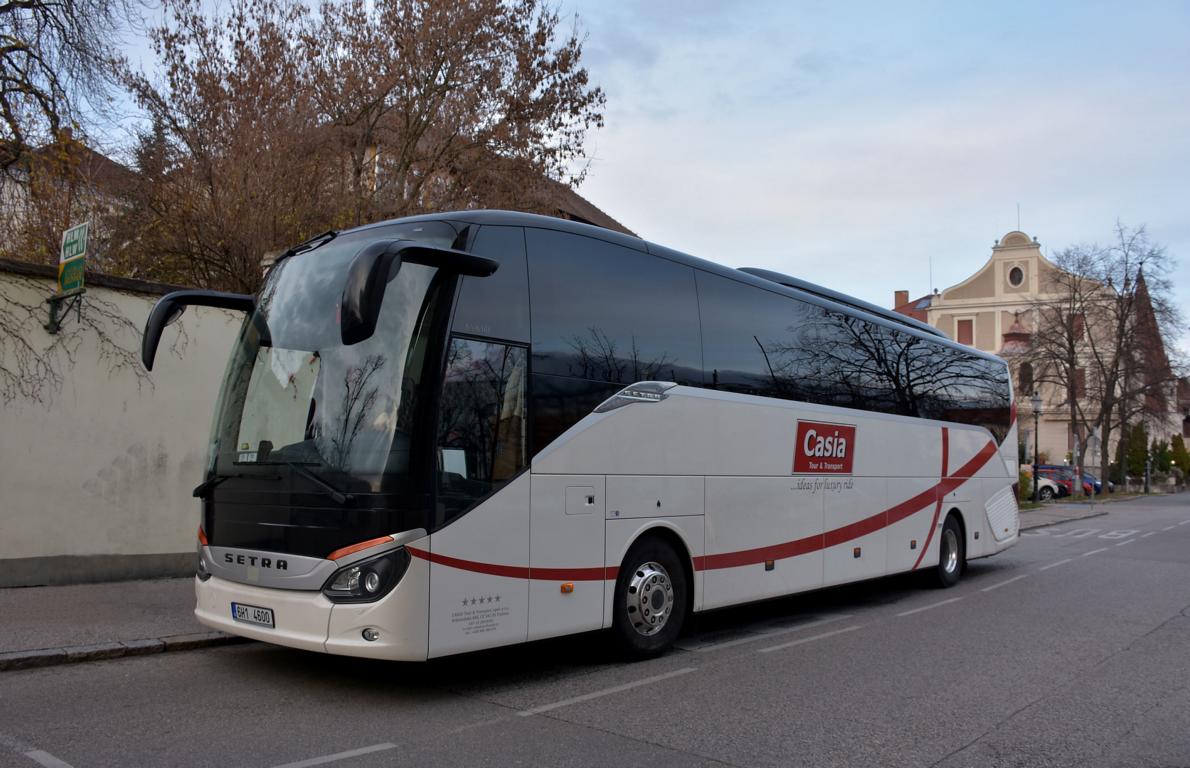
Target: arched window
column 1025, row 380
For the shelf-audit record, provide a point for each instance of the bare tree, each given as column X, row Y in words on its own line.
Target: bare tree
column 272, row 123
column 234, row 165
column 53, row 62
column 1099, row 329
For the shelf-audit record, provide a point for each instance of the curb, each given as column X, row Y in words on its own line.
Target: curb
column 1048, row 523
column 73, row 654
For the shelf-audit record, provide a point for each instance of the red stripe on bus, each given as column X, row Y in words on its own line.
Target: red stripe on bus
column 747, row 556
column 854, row 530
column 938, row 505
column 598, row 573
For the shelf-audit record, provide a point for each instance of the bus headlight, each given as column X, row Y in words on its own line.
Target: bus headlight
column 368, row 580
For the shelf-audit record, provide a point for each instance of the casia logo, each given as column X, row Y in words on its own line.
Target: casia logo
column 824, row 448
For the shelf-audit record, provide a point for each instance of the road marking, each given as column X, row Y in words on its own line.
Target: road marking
column 1184, row 522
column 1077, row 533
column 480, row 724
column 810, row 639
column 763, row 635
column 1055, row 565
column 1126, row 541
column 1171, row 527
column 1094, row 552
column 1003, row 583
column 1147, row 535
column 339, row 756
column 928, row 607
column 605, row 692
column 46, row 759
column 1120, row 534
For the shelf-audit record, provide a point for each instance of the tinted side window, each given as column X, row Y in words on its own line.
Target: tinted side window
column 753, row 339
column 497, row 305
column 970, row 390
column 560, row 402
column 762, row 343
column 607, row 313
column 482, row 433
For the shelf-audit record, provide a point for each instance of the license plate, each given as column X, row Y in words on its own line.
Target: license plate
column 252, row 614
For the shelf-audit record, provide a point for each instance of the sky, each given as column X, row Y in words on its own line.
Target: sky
column 853, row 145
column 866, row 146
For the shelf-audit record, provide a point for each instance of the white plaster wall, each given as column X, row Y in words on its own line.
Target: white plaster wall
column 108, row 466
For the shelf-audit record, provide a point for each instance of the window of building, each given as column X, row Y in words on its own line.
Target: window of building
column 1080, row 383
column 1016, row 276
column 965, row 330
column 1078, row 326
column 1025, row 380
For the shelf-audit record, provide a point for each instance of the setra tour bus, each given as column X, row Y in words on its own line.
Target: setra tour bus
column 459, row 431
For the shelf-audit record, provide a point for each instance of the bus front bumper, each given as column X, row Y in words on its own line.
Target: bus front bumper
column 311, row 622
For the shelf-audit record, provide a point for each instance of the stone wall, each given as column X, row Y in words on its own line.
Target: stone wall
column 97, row 468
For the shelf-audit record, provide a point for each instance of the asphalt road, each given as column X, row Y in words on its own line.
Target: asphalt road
column 1072, row 648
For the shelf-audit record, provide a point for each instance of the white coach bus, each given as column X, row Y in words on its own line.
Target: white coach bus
column 453, row 432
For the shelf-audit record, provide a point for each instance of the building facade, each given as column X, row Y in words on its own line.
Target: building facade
column 996, row 310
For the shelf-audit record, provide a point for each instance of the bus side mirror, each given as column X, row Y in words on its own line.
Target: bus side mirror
column 377, row 264
column 363, row 293
column 171, row 306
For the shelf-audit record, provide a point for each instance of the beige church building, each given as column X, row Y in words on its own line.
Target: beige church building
column 992, row 311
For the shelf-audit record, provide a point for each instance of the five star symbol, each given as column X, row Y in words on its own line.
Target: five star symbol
column 481, row 600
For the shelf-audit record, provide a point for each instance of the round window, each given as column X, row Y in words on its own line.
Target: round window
column 1016, row 276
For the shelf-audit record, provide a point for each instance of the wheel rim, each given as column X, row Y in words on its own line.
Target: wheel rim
column 950, row 551
column 650, row 599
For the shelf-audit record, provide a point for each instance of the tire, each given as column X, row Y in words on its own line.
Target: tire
column 652, row 581
column 952, row 554
column 1045, row 493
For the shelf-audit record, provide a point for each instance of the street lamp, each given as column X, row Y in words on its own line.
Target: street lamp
column 1148, row 469
column 1035, row 401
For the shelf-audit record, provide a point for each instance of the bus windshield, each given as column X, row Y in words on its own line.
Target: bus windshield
column 296, row 399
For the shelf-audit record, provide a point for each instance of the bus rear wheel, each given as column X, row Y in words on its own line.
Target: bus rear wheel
column 952, row 553
column 651, row 600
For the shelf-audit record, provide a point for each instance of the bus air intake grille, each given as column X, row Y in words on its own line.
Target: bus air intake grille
column 1002, row 514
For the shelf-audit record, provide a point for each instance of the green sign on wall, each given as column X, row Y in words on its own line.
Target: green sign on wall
column 72, row 259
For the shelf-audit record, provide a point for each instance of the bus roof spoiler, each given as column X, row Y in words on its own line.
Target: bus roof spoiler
column 171, row 306
column 841, row 298
column 373, row 267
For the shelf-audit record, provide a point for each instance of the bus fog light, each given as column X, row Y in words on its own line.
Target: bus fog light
column 371, row 635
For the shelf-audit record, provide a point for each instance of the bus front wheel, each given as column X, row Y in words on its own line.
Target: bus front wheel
column 951, row 553
column 651, row 599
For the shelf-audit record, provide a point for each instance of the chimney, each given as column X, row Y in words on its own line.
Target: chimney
column 899, row 298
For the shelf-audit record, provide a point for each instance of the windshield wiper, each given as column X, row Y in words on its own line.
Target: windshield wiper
column 342, row 499
column 202, row 489
column 308, row 245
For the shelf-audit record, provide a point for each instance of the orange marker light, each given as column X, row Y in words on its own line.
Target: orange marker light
column 568, row 587
column 855, row 552
column 202, row 536
column 345, row 551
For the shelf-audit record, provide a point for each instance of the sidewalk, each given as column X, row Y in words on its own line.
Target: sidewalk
column 42, row 626
column 1054, row 512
